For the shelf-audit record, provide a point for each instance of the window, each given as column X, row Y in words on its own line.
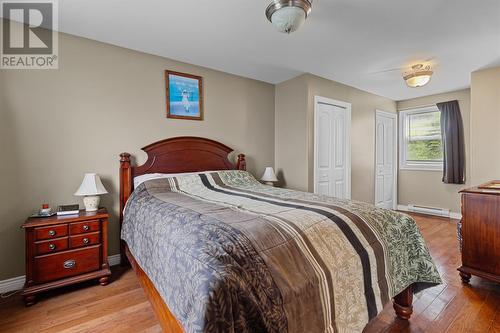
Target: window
column 420, row 139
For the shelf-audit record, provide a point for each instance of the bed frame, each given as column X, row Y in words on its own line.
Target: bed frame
column 191, row 154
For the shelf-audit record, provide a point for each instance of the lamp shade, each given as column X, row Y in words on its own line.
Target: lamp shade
column 91, row 185
column 269, row 175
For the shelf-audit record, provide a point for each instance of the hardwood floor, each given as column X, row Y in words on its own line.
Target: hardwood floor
column 122, row 306
column 450, row 307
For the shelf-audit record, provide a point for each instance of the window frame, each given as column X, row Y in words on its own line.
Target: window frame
column 404, row 164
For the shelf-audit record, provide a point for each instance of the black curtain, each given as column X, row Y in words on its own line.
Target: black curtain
column 453, row 143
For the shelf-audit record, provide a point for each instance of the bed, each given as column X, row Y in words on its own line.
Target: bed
column 216, row 251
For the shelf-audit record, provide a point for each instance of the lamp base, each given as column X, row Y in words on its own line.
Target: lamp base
column 269, row 183
column 91, row 202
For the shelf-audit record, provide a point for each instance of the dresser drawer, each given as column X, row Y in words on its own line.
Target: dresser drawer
column 54, row 231
column 84, row 227
column 65, row 264
column 85, row 240
column 50, row 246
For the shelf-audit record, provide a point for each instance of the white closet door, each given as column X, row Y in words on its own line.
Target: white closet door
column 332, row 149
column 385, row 160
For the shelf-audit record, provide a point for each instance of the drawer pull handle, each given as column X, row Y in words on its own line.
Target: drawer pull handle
column 86, row 227
column 52, row 232
column 52, row 247
column 86, row 241
column 68, row 264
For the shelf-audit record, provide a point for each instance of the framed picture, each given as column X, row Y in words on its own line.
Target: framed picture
column 184, row 96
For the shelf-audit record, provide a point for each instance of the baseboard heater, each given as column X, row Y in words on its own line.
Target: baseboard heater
column 429, row 210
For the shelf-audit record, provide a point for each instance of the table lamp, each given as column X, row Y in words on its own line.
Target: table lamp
column 91, row 189
column 269, row 178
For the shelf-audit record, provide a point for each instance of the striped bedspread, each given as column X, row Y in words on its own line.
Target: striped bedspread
column 228, row 254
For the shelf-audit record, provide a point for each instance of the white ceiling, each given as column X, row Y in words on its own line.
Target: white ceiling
column 343, row 40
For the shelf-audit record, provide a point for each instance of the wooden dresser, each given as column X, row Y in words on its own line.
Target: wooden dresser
column 480, row 234
column 63, row 250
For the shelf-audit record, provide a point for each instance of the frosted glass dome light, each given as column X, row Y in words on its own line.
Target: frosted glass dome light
column 288, row 19
column 288, row 16
column 419, row 76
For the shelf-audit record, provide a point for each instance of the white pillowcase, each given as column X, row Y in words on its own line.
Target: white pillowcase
column 142, row 178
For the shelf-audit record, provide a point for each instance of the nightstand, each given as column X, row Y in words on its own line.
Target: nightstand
column 64, row 250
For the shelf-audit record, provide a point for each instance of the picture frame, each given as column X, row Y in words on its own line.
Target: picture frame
column 184, row 95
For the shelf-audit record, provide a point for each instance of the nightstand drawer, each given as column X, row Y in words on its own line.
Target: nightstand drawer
column 65, row 264
column 54, row 231
column 50, row 246
column 84, row 227
column 85, row 240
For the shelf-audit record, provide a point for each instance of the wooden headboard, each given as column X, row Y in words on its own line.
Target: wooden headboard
column 176, row 155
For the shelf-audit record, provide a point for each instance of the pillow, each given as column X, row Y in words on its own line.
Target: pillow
column 142, row 178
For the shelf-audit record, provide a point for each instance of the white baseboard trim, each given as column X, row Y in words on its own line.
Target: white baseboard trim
column 114, row 260
column 17, row 282
column 12, row 284
column 453, row 215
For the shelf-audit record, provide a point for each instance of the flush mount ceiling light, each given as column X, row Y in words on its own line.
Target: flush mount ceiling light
column 419, row 76
column 288, row 15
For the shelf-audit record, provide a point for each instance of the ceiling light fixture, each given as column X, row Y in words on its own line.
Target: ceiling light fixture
column 288, row 15
column 419, row 76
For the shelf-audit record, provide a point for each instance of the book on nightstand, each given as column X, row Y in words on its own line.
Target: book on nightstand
column 68, row 210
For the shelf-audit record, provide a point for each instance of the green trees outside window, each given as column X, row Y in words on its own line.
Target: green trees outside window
column 424, row 137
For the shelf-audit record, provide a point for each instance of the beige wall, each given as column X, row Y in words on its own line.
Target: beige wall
column 57, row 124
column 426, row 187
column 290, row 134
column 485, row 124
column 295, row 123
column 12, row 196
